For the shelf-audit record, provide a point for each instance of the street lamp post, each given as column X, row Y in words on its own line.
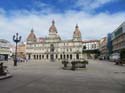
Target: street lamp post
column 16, row 39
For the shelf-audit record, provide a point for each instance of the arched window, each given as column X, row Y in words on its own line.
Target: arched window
column 77, row 56
column 47, row 56
column 64, row 56
column 56, row 56
column 37, row 57
column 84, row 47
column 34, row 56
column 67, row 56
column 40, row 57
column 70, row 56
column 70, row 49
column 61, row 56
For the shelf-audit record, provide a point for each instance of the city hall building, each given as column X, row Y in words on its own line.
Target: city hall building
column 53, row 48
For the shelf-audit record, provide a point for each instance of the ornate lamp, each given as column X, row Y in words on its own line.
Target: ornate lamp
column 16, row 39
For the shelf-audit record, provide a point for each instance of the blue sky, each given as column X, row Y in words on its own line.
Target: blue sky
column 61, row 6
column 95, row 18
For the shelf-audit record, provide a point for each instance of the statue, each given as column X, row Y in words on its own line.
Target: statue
column 2, row 72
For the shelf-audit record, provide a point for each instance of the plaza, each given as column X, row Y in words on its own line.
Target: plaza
column 49, row 77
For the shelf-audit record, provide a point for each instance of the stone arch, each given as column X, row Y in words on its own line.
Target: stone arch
column 37, row 57
column 67, row 56
column 34, row 57
column 46, row 56
column 61, row 56
column 40, row 57
column 70, row 56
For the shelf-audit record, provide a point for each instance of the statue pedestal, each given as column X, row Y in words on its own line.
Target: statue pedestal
column 3, row 72
column 5, row 76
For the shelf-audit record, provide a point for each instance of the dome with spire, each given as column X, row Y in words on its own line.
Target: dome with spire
column 53, row 28
column 32, row 37
column 77, row 33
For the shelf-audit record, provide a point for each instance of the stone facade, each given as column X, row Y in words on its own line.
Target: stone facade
column 118, row 38
column 53, row 48
column 103, row 48
column 91, row 48
column 91, row 44
column 5, row 51
column 21, row 50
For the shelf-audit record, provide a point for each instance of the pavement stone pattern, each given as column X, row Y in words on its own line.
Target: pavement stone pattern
column 49, row 77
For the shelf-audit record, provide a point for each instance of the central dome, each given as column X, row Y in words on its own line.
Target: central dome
column 53, row 28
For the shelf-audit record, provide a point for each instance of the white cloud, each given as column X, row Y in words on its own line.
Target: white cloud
column 42, row 7
column 91, row 26
column 91, row 4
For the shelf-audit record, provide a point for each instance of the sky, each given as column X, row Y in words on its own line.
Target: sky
column 95, row 18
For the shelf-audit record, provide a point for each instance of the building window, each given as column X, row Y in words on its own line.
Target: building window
column 77, row 56
column 70, row 49
column 52, row 48
column 37, row 56
column 64, row 56
column 94, row 45
column 34, row 56
column 70, row 56
column 29, row 56
column 118, row 32
column 67, row 56
column 47, row 56
column 40, row 57
column 56, row 56
column 61, row 56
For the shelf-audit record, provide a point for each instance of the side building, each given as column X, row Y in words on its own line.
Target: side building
column 53, row 48
column 103, row 48
column 91, row 49
column 118, row 40
column 5, row 51
column 106, row 47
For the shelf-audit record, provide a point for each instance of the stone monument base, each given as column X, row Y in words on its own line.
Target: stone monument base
column 5, row 76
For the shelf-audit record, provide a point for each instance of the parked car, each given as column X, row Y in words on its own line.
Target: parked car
column 114, row 57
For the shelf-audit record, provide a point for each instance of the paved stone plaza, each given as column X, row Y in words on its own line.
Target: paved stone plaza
column 49, row 77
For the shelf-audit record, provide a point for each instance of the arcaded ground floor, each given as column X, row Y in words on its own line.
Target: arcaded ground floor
column 49, row 77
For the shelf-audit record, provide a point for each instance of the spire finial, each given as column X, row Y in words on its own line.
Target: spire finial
column 77, row 26
column 53, row 22
column 32, row 30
